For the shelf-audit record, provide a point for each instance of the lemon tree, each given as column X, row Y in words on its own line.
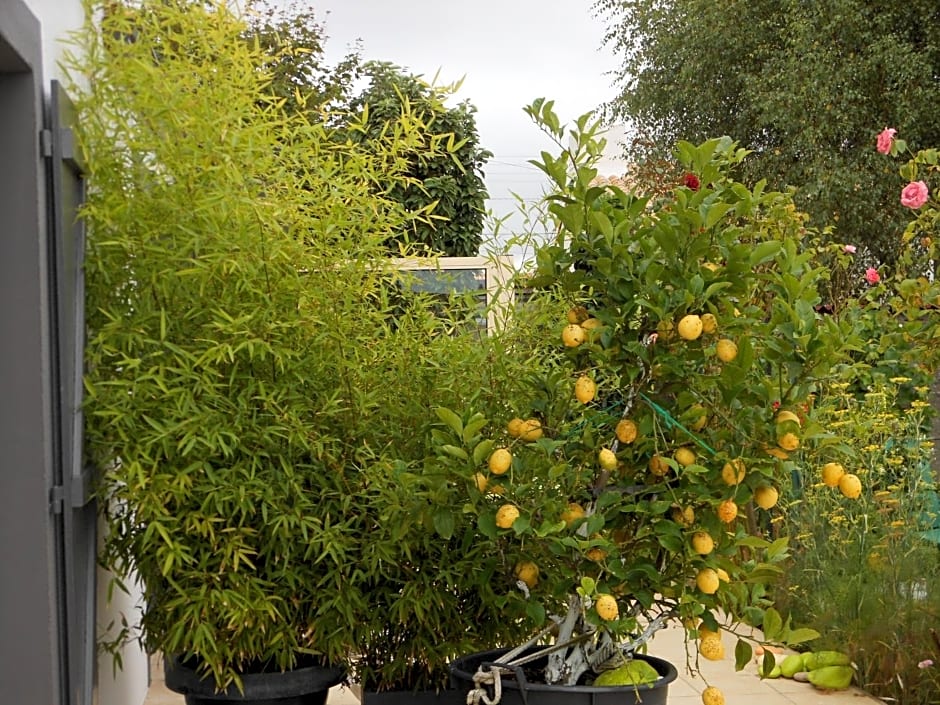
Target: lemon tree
column 704, row 329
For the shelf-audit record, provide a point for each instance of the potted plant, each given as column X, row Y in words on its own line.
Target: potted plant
column 257, row 385
column 639, row 472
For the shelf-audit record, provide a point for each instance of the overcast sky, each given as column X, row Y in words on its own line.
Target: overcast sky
column 508, row 53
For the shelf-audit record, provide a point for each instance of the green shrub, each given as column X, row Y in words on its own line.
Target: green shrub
column 865, row 573
column 257, row 395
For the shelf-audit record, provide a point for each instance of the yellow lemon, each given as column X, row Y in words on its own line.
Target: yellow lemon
column 658, row 466
column 783, row 416
column 514, row 427
column 733, row 472
column 530, row 430
column 697, row 413
column 789, row 441
column 506, row 515
column 577, row 314
column 728, row 511
column 709, row 323
column 607, row 460
column 606, row 607
column 690, row 327
column 726, row 350
column 704, row 631
column 592, row 325
column 500, row 461
column 585, row 389
column 480, row 481
column 626, row 431
column 572, row 513
column 710, row 647
column 707, row 581
column 832, row 473
column 683, row 515
column 702, row 543
column 712, row 696
column 572, row 335
column 527, row 572
column 766, row 496
column 850, row 486
column 684, row 456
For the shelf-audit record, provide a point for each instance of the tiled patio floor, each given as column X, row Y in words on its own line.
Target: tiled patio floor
column 740, row 687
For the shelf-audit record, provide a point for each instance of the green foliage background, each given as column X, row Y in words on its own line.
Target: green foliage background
column 807, row 86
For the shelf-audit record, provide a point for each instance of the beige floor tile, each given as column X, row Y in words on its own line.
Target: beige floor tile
column 340, row 695
column 159, row 694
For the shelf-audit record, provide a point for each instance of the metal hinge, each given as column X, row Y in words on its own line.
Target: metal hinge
column 45, row 143
column 57, row 499
column 66, row 145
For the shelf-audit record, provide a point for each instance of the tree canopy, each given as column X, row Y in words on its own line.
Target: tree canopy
column 443, row 181
column 806, row 86
column 445, row 172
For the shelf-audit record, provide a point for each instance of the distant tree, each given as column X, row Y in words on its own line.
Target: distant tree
column 295, row 40
column 443, row 182
column 446, row 170
column 806, row 85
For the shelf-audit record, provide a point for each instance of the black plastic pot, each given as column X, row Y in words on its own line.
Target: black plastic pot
column 305, row 685
column 524, row 692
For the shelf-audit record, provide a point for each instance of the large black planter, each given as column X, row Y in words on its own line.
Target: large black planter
column 518, row 693
column 305, row 685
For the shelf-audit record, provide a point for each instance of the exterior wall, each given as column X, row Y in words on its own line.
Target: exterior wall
column 57, row 18
column 28, row 620
column 128, row 686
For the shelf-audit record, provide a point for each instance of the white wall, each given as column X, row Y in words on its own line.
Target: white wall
column 58, row 18
column 129, row 686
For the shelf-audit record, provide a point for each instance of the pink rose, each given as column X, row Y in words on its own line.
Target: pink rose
column 885, row 139
column 914, row 194
column 872, row 276
column 849, row 249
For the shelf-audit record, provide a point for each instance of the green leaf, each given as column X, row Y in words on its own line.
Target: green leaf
column 767, row 663
column 451, row 419
column 486, row 523
column 801, row 636
column 772, row 625
column 476, row 422
column 742, row 654
column 444, row 522
column 482, row 450
column 715, row 212
column 764, row 252
column 455, row 451
column 536, row 612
